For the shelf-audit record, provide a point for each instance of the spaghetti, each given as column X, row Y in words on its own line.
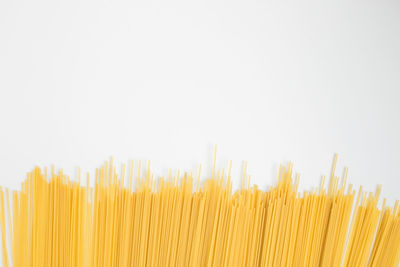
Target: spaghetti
column 57, row 222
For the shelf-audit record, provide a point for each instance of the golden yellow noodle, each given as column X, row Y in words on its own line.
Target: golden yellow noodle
column 57, row 222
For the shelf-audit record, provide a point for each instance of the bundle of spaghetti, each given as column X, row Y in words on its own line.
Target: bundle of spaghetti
column 386, row 251
column 174, row 221
column 363, row 230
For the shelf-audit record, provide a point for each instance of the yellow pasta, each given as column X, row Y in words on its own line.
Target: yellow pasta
column 173, row 221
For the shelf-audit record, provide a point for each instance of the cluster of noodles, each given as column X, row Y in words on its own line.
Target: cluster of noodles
column 56, row 222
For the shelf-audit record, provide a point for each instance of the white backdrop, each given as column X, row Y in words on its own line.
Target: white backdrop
column 268, row 81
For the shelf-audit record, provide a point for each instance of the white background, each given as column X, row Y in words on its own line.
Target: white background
column 268, row 81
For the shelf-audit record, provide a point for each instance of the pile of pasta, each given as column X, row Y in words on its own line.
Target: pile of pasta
column 54, row 221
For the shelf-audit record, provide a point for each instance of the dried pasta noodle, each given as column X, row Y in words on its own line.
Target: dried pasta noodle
column 54, row 221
